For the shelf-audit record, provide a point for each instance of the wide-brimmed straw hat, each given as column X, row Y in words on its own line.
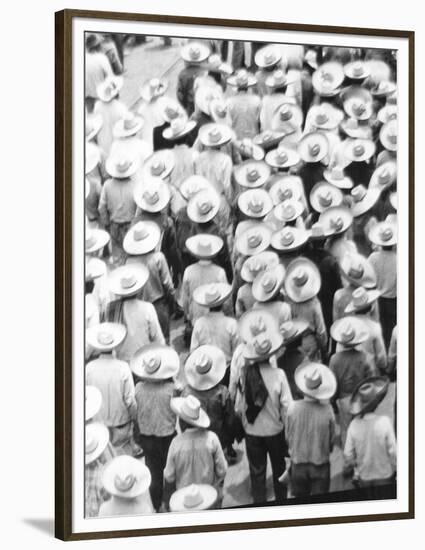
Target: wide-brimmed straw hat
column 248, row 150
column 155, row 362
column 193, row 185
column 337, row 177
column 357, row 70
column 384, row 88
column 193, row 497
column 313, row 147
column 278, row 79
column 336, row 219
column 268, row 139
column 357, row 102
column 219, row 111
column 328, row 78
column 359, row 150
column 325, row 116
column 215, row 135
column 93, row 402
column 203, row 206
column 383, row 234
column 212, row 294
column 356, row 130
column 282, row 157
column 160, row 164
column 126, row 477
column 325, row 195
column 254, row 265
column 205, row 367
column 251, row 174
column 357, row 269
column 302, row 281
column 94, row 268
column 195, row 52
column 152, row 194
column 255, row 203
column 170, row 109
column 364, row 199
column 128, row 126
column 263, row 345
column 368, row 394
column 256, row 321
column 288, row 210
column 267, row 285
column 153, row 88
column 97, row 439
column 254, row 240
column 127, row 280
column 287, row 118
column 122, row 167
column 268, row 56
column 217, row 65
column 95, row 240
column 93, row 125
column 204, row 246
column 204, row 95
column 179, row 127
column 361, row 299
column 106, row 336
column 310, row 57
column 286, row 188
column 384, row 175
column 93, row 157
column 316, row 381
column 242, row 79
column 189, row 409
column 387, row 112
column 289, row 239
column 291, row 330
column 142, row 238
column 388, row 135
column 349, row 331
column 109, row 88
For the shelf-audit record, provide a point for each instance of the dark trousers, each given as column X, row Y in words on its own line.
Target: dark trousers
column 156, row 450
column 309, row 479
column 163, row 312
column 388, row 317
column 257, row 449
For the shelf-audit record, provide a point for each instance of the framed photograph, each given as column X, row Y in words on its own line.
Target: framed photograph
column 234, row 274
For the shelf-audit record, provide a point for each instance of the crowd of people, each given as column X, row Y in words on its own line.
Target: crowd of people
column 256, row 211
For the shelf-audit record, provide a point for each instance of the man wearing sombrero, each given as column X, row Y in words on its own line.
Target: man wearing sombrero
column 97, row 67
column 244, row 107
column 110, row 108
column 193, row 54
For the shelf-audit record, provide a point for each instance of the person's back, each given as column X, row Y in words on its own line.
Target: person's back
column 216, row 329
column 244, row 110
column 116, row 202
column 154, row 414
column 350, row 367
column 185, row 86
column 160, row 283
column 98, row 69
column 384, row 263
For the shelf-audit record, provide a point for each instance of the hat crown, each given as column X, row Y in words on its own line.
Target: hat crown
column 285, row 194
column 352, row 123
column 123, row 165
column 267, row 136
column 105, row 337
column 204, row 206
column 358, row 107
column 257, row 326
column 242, row 77
column 255, row 265
column 317, row 230
column 269, row 282
column 337, row 173
column 325, row 197
column 194, row 53
column 128, row 280
column 252, row 174
column 140, row 233
column 157, row 167
column 220, row 109
column 347, row 333
column 212, row 294
column 367, row 392
column 336, row 223
column 386, row 233
column 358, row 193
column 358, row 149
column 255, row 203
column 130, row 121
column 360, row 297
column 392, row 135
column 203, row 364
column 356, row 272
column 192, row 497
column 313, row 380
column 285, row 112
column 358, row 68
column 124, row 484
column 151, row 197
column 254, row 240
column 279, row 77
column 321, row 117
column 214, row 135
column 152, row 363
column 300, row 276
column 314, row 149
column 215, row 60
column 287, row 329
column 288, row 211
column 262, row 344
column 154, row 84
column 191, row 407
column 287, row 238
column 204, row 246
column 281, row 156
column 172, row 112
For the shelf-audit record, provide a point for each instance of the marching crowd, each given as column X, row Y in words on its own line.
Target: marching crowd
column 257, row 210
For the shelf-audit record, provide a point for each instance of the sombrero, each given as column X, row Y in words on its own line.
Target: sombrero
column 219, row 111
column 95, row 268
column 251, row 174
column 289, row 239
column 325, row 195
column 205, row 367
column 242, row 79
column 249, row 150
column 325, row 116
column 171, row 109
column 361, row 299
column 282, row 157
column 368, row 394
column 153, row 88
column 160, row 164
column 302, row 281
column 310, row 58
column 357, row 269
column 291, row 330
column 349, row 331
column 384, row 88
column 193, row 185
column 357, row 102
column 328, row 78
column 384, row 175
column 278, row 79
column 255, row 203
column 152, row 194
column 388, row 135
column 287, row 114
column 356, row 70
column 179, row 127
column 93, row 156
column 267, row 285
column 96, row 239
column 93, row 125
column 155, row 362
column 204, row 95
column 383, row 234
column 353, row 129
column 217, row 65
column 359, row 150
column 126, row 477
column 203, row 206
column 189, row 409
column 105, row 336
column 212, row 294
column 109, row 88
column 262, row 346
column 336, row 219
column 193, row 497
column 204, row 246
column 336, row 177
column 313, row 147
column 256, row 321
column 142, row 238
column 268, row 139
column 254, row 240
column 128, row 126
column 288, row 210
column 387, row 113
column 364, row 199
column 93, row 402
column 127, row 280
column 215, row 135
column 267, row 56
column 316, row 381
column 254, row 265
column 195, row 52
column 97, row 439
column 121, row 167
column 285, row 188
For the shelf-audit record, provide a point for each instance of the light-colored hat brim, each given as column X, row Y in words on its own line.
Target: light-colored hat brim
column 310, row 289
column 369, row 150
column 276, row 137
column 348, row 70
column 176, row 406
column 93, row 157
column 117, row 330
column 361, row 132
column 100, row 90
column 391, row 166
column 164, row 195
column 209, row 497
column 317, row 138
column 135, row 248
column 250, row 354
column 298, row 210
column 372, row 296
column 147, row 95
column 168, row 132
column 124, row 465
column 336, row 193
column 111, row 168
column 93, row 402
column 242, row 244
column 368, row 278
column 102, row 436
column 227, row 135
column 167, row 157
column 195, row 215
column 375, row 238
column 344, row 183
column 120, row 131
column 367, row 202
column 169, row 367
column 141, row 275
column 253, row 316
column 293, row 159
column 336, row 212
column 204, row 52
column 387, row 113
column 360, row 331
column 243, row 203
column 216, row 245
column 95, row 268
column 301, row 238
column 337, row 71
column 327, row 388
column 102, row 239
column 260, row 56
column 271, row 259
column 262, row 295
column 232, row 81
column 199, row 295
column 241, row 173
column 214, row 376
column 394, row 200
column 383, row 137
column 356, row 407
column 97, row 123
column 301, row 327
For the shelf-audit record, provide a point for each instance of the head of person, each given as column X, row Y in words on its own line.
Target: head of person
column 93, row 43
